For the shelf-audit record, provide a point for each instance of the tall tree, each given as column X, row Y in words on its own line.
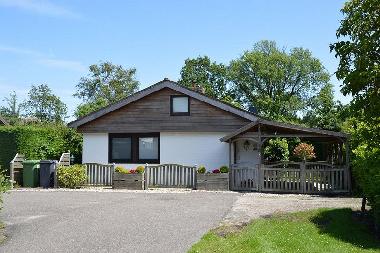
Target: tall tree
column 12, row 109
column 325, row 112
column 105, row 84
column 358, row 50
column 208, row 77
column 44, row 105
column 279, row 84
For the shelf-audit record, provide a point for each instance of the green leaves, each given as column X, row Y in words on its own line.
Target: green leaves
column 277, row 83
column 44, row 105
column 107, row 83
column 72, row 176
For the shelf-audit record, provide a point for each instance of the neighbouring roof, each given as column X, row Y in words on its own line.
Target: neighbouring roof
column 166, row 83
column 284, row 126
column 3, row 121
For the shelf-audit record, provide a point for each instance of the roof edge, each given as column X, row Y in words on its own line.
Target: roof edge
column 166, row 83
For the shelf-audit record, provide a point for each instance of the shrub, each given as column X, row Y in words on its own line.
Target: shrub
column 304, row 151
column 47, row 141
column 276, row 150
column 71, row 176
column 121, row 169
column 201, row 170
column 133, row 172
column 224, row 169
column 140, row 169
column 5, row 185
column 216, row 171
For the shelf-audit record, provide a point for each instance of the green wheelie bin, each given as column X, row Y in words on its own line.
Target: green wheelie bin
column 31, row 173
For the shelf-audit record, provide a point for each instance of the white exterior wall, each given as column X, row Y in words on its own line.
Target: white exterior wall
column 95, row 148
column 181, row 148
column 194, row 148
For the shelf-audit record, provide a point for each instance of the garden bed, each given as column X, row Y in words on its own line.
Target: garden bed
column 128, row 181
column 213, row 181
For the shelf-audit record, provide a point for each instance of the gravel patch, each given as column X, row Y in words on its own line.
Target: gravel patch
column 257, row 205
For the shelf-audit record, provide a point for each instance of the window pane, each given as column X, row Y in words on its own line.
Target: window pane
column 180, row 104
column 148, row 148
column 121, row 148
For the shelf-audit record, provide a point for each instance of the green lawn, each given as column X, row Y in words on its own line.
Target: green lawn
column 322, row 230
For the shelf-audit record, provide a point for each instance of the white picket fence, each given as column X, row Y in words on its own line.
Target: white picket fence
column 170, row 175
column 99, row 174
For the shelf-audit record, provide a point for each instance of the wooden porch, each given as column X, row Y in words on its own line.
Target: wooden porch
column 329, row 174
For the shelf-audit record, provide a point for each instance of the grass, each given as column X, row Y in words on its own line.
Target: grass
column 321, row 230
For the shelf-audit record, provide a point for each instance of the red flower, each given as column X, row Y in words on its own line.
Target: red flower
column 133, row 171
column 216, row 171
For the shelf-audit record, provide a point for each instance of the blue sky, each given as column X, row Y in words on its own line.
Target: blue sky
column 54, row 42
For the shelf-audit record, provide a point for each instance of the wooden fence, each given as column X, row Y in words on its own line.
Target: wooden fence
column 244, row 178
column 292, row 177
column 99, row 174
column 64, row 160
column 15, row 169
column 170, row 175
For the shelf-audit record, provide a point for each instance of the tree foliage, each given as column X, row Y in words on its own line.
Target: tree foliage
column 105, row 84
column 325, row 112
column 44, row 105
column 359, row 52
column 276, row 150
column 358, row 49
column 209, row 77
column 12, row 109
column 279, row 84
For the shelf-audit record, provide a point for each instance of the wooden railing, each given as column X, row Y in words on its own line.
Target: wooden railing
column 170, row 175
column 293, row 177
column 99, row 174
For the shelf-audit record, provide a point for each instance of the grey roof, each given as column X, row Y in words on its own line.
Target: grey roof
column 166, row 83
column 3, row 121
column 316, row 131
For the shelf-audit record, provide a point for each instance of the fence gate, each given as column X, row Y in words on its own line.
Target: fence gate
column 244, row 178
column 99, row 174
column 170, row 175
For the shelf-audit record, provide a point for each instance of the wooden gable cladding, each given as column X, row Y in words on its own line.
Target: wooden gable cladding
column 152, row 114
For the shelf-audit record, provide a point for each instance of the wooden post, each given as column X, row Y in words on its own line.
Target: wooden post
column 303, row 176
column 12, row 173
column 347, row 168
column 195, row 177
column 259, row 171
column 146, row 176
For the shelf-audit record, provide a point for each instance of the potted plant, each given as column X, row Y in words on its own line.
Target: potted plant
column 217, row 180
column 128, row 179
column 304, row 151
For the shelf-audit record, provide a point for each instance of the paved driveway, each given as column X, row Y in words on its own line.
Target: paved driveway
column 109, row 221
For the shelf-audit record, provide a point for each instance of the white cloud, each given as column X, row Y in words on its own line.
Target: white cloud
column 15, row 50
column 65, row 64
column 41, row 7
column 44, row 59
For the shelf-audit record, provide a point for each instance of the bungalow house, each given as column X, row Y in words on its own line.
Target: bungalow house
column 168, row 123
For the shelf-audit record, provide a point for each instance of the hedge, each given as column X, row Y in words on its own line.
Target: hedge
column 38, row 142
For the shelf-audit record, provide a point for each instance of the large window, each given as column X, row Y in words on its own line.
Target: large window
column 134, row 148
column 179, row 105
